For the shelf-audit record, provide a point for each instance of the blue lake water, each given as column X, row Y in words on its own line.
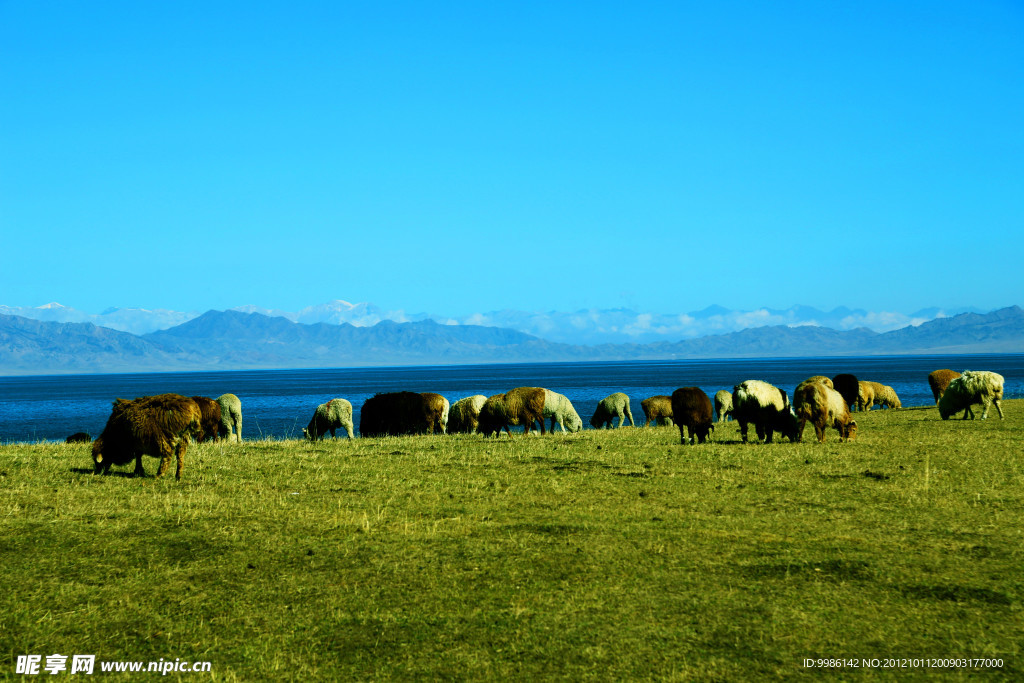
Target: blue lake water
column 278, row 403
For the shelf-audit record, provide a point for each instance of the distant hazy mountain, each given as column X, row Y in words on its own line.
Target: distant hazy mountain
column 590, row 326
column 134, row 320
column 234, row 340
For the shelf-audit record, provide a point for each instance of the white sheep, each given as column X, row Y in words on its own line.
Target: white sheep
column 328, row 417
column 611, row 406
column 723, row 404
column 971, row 387
column 230, row 417
column 561, row 411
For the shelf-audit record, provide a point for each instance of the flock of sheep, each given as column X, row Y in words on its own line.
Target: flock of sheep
column 163, row 425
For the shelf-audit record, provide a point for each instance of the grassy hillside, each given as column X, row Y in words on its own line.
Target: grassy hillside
column 602, row 555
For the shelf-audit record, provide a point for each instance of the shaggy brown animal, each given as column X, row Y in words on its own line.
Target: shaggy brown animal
column 519, row 406
column 865, row 395
column 824, row 407
column 209, row 425
column 465, row 414
column 939, row 380
column 848, row 387
column 394, row 413
column 78, row 437
column 437, row 412
column 691, row 409
column 657, row 409
column 152, row 425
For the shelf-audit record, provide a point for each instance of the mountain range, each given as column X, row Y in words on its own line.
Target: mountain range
column 232, row 340
column 585, row 326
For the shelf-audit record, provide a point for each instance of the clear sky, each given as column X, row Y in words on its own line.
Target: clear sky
column 458, row 157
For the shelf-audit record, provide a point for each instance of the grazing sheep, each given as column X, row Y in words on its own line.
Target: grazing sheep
column 886, row 396
column 764, row 405
column 971, row 387
column 848, row 387
column 610, row 407
column 871, row 393
column 230, row 417
column 561, row 411
column 723, row 404
column 865, row 395
column 79, row 437
column 465, row 414
column 821, row 379
column 520, row 406
column 328, row 417
column 437, row 407
column 210, row 422
column 657, row 409
column 398, row 412
column 152, row 425
column 692, row 410
column 938, row 380
column 824, row 407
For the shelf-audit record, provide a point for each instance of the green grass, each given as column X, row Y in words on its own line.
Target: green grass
column 605, row 555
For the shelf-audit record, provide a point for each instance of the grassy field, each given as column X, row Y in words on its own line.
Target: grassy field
column 614, row 555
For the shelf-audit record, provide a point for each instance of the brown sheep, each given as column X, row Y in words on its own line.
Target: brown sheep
column 152, row 425
column 79, row 437
column 821, row 379
column 519, row 406
column 824, row 407
column 886, row 396
column 437, row 407
column 657, row 409
column 209, row 425
column 872, row 393
column 692, row 410
column 865, row 395
column 938, row 380
column 465, row 414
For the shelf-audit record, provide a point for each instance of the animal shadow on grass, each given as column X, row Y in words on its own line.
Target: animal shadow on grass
column 123, row 474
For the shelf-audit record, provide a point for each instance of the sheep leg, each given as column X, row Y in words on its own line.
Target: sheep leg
column 800, row 430
column 181, row 459
column 985, row 403
column 166, row 454
column 629, row 414
column 140, row 471
column 743, row 431
column 759, row 428
column 819, row 431
column 999, row 407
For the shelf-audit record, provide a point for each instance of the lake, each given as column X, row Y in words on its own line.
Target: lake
column 277, row 404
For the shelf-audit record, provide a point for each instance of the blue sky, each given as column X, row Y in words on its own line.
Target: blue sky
column 465, row 156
